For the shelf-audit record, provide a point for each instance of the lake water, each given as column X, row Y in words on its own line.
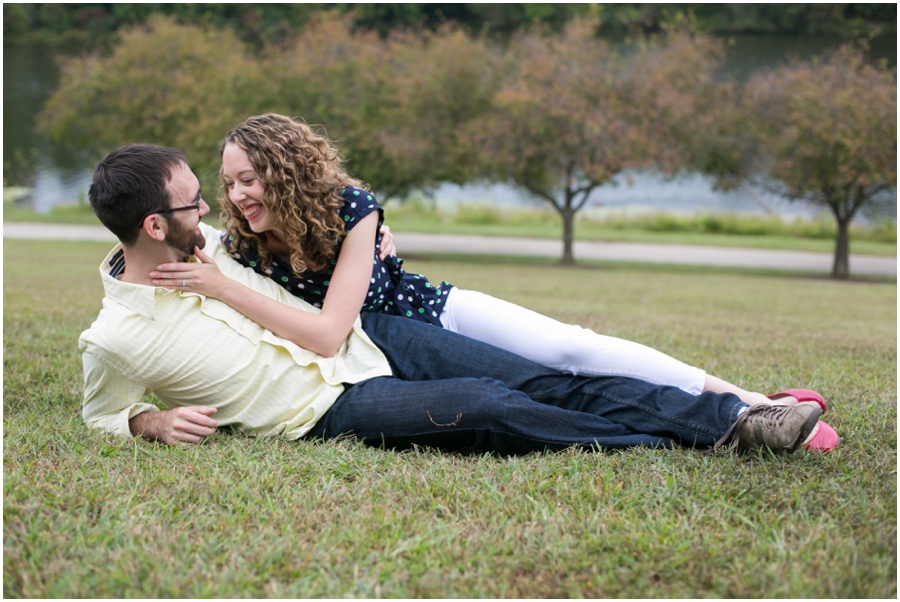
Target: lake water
column 42, row 175
column 642, row 193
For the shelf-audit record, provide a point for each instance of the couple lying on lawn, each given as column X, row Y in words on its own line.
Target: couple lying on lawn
column 226, row 344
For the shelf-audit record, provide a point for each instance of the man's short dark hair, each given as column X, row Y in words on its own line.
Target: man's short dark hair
column 130, row 183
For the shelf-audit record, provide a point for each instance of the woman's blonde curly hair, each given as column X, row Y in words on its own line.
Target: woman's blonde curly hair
column 303, row 177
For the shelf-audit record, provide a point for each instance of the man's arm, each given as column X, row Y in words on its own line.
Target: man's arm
column 113, row 402
column 190, row 424
column 387, row 246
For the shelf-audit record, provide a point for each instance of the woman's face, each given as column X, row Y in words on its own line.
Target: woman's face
column 243, row 188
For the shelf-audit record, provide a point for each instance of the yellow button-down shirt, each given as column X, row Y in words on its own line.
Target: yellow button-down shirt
column 192, row 350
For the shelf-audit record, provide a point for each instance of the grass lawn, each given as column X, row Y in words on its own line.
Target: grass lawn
column 89, row 515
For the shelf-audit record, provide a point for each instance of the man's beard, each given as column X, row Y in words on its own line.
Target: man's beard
column 184, row 239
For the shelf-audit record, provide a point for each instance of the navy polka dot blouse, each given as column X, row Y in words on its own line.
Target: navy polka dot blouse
column 391, row 289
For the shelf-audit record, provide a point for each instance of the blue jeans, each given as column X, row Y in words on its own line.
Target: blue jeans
column 455, row 393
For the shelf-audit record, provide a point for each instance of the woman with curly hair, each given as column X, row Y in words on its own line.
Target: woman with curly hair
column 293, row 214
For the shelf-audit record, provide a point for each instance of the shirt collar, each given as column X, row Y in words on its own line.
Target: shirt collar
column 136, row 297
column 139, row 298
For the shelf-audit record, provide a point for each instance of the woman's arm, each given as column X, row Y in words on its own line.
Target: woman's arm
column 321, row 333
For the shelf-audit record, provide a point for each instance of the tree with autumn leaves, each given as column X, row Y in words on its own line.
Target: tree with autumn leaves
column 164, row 83
column 573, row 112
column 558, row 114
column 561, row 114
column 825, row 131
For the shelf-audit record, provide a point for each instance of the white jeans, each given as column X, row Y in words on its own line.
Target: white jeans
column 561, row 346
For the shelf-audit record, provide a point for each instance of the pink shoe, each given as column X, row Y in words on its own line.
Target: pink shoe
column 801, row 395
column 823, row 440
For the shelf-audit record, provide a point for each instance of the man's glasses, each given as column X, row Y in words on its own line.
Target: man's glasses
column 174, row 210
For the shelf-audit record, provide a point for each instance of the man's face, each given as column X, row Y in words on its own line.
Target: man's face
column 184, row 191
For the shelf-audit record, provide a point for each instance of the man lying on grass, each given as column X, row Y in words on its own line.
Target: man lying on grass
column 393, row 382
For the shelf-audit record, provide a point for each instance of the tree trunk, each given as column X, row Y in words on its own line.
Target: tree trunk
column 568, row 217
column 841, row 267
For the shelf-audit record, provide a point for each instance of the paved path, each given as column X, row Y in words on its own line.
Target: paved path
column 409, row 243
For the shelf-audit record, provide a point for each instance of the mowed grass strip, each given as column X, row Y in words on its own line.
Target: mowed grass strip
column 90, row 515
column 771, row 232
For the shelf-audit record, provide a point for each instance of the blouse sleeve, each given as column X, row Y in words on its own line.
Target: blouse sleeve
column 358, row 204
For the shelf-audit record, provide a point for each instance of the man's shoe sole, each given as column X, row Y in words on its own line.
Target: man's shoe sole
column 808, row 427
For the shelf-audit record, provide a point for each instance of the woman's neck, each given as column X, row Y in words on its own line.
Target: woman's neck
column 276, row 244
